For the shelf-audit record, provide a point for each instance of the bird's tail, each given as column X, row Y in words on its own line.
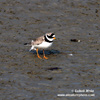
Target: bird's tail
column 29, row 44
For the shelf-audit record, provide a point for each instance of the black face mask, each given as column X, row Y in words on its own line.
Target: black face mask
column 47, row 39
column 51, row 36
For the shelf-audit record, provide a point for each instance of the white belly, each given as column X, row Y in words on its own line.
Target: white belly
column 43, row 45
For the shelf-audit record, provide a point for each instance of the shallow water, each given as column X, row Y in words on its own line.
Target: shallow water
column 25, row 77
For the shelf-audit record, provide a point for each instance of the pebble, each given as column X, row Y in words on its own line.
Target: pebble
column 75, row 40
column 70, row 54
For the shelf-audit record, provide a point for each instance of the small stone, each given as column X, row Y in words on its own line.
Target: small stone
column 70, row 54
column 75, row 40
column 96, row 11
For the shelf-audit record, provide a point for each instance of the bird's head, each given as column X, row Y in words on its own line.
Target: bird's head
column 50, row 36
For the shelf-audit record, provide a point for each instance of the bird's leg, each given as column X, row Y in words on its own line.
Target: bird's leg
column 44, row 55
column 38, row 54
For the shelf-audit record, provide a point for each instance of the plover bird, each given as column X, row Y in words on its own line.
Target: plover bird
column 42, row 42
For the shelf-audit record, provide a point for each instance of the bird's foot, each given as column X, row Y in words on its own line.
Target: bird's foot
column 39, row 57
column 45, row 57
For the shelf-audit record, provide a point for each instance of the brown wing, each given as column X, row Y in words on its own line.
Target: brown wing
column 39, row 40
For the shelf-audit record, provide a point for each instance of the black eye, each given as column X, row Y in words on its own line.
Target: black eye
column 49, row 36
column 52, row 34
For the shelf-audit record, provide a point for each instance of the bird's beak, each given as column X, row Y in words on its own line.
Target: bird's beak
column 54, row 38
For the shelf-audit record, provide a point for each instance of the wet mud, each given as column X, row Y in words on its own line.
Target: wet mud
column 71, row 64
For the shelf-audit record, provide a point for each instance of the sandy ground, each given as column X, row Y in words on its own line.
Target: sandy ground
column 25, row 77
